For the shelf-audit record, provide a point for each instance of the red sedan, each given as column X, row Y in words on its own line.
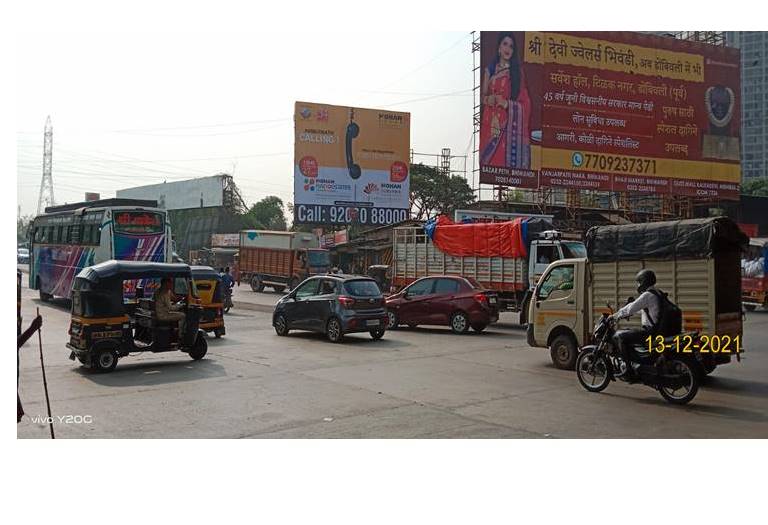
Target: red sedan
column 457, row 302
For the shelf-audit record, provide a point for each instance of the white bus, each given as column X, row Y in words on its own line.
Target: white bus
column 67, row 238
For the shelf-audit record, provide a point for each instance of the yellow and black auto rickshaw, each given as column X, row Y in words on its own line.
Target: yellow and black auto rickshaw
column 105, row 328
column 210, row 290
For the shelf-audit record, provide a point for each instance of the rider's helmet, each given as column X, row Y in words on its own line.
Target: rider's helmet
column 645, row 279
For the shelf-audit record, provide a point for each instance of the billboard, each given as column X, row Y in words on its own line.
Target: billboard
column 203, row 192
column 225, row 240
column 614, row 111
column 351, row 165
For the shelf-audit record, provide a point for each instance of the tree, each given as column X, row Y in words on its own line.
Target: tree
column 433, row 192
column 267, row 214
column 22, row 227
column 757, row 187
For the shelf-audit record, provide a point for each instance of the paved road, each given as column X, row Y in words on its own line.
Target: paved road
column 413, row 383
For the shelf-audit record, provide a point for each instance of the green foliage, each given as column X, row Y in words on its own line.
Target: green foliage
column 757, row 187
column 22, row 227
column 433, row 192
column 267, row 214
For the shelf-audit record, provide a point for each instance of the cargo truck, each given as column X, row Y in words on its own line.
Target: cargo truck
column 280, row 259
column 482, row 252
column 697, row 263
column 754, row 274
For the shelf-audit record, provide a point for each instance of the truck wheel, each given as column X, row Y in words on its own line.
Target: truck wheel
column 279, row 289
column 256, row 284
column 293, row 282
column 563, row 352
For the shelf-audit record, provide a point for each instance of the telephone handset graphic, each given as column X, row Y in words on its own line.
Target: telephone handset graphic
column 353, row 130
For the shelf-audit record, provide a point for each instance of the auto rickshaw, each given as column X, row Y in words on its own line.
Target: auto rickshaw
column 104, row 328
column 210, row 290
column 382, row 275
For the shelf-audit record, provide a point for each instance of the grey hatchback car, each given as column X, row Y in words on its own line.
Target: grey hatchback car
column 334, row 305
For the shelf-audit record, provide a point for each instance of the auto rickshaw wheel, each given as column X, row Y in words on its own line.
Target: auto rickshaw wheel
column 105, row 360
column 199, row 349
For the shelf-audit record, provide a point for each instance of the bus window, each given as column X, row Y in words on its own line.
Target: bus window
column 38, row 234
column 74, row 234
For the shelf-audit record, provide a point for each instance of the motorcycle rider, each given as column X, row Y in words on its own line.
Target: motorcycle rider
column 648, row 304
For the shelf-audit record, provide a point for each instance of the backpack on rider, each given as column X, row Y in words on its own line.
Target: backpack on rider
column 670, row 321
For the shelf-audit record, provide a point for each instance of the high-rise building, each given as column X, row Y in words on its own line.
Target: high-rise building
column 754, row 100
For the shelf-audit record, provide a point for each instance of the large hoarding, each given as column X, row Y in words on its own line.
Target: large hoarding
column 351, row 165
column 203, row 192
column 615, row 111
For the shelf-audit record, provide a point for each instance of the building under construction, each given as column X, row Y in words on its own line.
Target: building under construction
column 197, row 208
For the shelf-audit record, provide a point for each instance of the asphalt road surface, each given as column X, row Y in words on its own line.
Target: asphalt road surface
column 422, row 383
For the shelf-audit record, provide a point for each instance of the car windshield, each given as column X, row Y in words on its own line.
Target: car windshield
column 574, row 250
column 319, row 258
column 362, row 288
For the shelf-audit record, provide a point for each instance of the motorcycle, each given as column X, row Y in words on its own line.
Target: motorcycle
column 674, row 375
column 227, row 299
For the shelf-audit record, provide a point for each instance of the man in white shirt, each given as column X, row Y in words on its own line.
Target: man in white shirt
column 648, row 304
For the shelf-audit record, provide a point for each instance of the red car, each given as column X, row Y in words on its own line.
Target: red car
column 458, row 302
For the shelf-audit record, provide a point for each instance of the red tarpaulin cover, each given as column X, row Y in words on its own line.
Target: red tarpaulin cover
column 490, row 239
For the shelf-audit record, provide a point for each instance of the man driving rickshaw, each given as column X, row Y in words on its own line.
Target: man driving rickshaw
column 104, row 328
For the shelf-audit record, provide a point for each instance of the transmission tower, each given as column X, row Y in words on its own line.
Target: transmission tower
column 46, row 186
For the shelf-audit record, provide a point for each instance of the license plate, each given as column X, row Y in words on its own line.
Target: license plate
column 374, row 322
column 492, row 300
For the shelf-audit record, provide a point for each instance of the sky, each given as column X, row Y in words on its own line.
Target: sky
column 141, row 108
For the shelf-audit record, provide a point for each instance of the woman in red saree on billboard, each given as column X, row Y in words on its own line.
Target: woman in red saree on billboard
column 504, row 128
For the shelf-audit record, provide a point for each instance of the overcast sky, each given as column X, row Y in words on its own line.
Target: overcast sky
column 136, row 108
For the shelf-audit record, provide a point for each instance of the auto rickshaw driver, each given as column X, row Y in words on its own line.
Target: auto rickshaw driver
column 165, row 309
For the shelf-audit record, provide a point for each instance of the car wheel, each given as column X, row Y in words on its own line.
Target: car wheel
column 392, row 320
column 199, row 349
column 563, row 352
column 459, row 323
column 281, row 326
column 105, row 360
column 333, row 330
column 479, row 327
column 377, row 334
column 256, row 284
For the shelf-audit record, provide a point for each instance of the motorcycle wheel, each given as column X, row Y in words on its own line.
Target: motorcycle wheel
column 686, row 392
column 593, row 371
